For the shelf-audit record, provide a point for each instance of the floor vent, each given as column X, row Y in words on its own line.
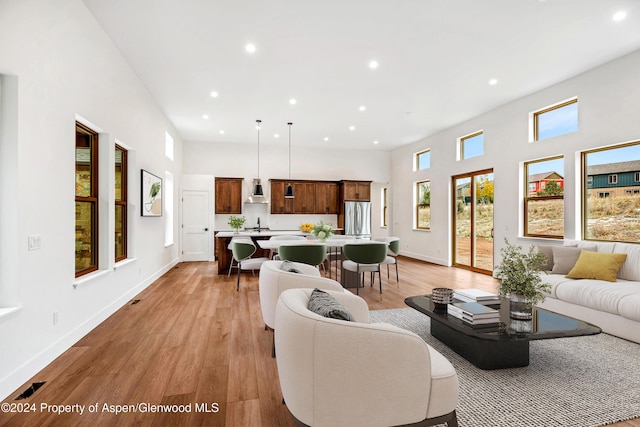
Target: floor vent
column 135, row 301
column 30, row 390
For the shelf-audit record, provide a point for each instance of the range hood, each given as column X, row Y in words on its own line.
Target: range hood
column 257, row 196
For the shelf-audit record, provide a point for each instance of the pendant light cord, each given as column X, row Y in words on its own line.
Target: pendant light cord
column 258, row 127
column 289, row 149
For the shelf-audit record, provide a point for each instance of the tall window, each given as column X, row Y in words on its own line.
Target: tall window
column 423, row 205
column 168, row 209
column 611, row 206
column 422, row 160
column 168, row 145
column 544, row 198
column 86, row 200
column 120, row 203
column 385, row 210
column 471, row 145
column 555, row 120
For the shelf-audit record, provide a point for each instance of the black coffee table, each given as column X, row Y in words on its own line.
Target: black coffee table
column 505, row 346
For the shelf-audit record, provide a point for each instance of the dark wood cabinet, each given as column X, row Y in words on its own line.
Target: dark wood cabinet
column 356, row 190
column 326, row 197
column 228, row 195
column 280, row 205
column 304, row 202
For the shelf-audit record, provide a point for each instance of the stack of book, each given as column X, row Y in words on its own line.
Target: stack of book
column 476, row 295
column 474, row 314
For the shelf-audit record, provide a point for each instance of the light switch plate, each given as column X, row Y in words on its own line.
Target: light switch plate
column 34, row 242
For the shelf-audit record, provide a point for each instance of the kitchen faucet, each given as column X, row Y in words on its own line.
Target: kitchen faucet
column 258, row 224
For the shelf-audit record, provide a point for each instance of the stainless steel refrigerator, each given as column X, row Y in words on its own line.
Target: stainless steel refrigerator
column 357, row 219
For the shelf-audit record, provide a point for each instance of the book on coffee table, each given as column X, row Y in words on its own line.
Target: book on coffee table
column 476, row 295
column 473, row 310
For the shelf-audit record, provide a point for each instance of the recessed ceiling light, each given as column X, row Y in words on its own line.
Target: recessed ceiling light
column 619, row 16
column 326, row 138
column 373, row 65
column 206, row 117
column 221, row 132
column 352, row 128
column 214, row 94
column 250, row 47
column 493, row 82
column 275, row 135
column 362, row 108
column 376, row 142
column 292, row 101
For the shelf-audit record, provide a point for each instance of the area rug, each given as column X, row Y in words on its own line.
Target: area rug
column 580, row 381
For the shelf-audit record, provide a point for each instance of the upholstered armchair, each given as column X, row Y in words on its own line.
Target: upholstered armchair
column 274, row 280
column 339, row 373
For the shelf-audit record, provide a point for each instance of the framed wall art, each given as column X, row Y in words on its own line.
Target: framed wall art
column 151, row 194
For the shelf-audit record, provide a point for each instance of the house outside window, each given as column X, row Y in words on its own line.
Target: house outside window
column 423, row 205
column 610, row 202
column 544, row 198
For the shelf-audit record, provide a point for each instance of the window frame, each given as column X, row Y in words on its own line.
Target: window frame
column 536, row 116
column 419, row 205
column 416, row 161
column 527, row 198
column 93, row 198
column 463, row 139
column 123, row 201
column 385, row 207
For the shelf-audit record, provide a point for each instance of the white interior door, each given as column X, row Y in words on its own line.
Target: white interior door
column 195, row 225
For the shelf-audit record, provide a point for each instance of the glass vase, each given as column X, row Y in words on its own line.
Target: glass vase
column 520, row 308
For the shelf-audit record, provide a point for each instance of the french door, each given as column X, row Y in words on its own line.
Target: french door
column 473, row 221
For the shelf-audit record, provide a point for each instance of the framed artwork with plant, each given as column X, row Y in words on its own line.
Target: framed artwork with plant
column 151, row 194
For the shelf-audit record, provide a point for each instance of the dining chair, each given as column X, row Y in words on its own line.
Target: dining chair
column 364, row 256
column 393, row 248
column 232, row 262
column 312, row 254
column 273, row 253
column 242, row 250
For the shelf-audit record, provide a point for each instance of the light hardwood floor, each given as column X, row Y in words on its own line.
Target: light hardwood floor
column 192, row 339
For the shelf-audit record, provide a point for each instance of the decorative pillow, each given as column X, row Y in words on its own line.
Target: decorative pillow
column 597, row 265
column 564, row 258
column 548, row 251
column 326, row 305
column 288, row 266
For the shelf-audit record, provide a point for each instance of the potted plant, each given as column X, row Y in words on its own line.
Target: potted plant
column 322, row 231
column 520, row 279
column 236, row 222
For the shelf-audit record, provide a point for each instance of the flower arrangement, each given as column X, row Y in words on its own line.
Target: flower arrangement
column 236, row 222
column 322, row 231
column 306, row 227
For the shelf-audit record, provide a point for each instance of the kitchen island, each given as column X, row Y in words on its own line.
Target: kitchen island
column 222, row 239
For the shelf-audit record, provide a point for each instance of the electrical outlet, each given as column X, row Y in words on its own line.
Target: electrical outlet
column 55, row 318
column 34, row 242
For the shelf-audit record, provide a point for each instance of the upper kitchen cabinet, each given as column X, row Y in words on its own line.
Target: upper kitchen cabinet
column 280, row 205
column 326, row 201
column 305, row 198
column 229, row 195
column 356, row 190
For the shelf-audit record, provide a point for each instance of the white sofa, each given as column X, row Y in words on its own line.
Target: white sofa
column 612, row 306
column 340, row 373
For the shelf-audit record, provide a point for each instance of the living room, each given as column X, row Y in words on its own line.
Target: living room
column 59, row 66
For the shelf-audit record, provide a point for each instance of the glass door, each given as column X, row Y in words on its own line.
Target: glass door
column 473, row 221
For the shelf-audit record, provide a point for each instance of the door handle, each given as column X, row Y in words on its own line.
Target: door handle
column 206, row 229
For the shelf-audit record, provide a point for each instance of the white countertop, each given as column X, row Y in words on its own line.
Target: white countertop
column 254, row 233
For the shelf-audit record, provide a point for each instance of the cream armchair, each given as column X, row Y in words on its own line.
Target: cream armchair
column 338, row 373
column 273, row 280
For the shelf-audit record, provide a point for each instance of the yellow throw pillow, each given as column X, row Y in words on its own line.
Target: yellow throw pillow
column 597, row 265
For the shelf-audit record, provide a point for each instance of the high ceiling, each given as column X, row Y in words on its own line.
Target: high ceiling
column 435, row 60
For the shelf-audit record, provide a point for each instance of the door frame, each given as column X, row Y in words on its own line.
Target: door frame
column 472, row 190
column 209, row 228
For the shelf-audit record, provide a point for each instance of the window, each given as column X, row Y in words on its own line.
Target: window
column 168, row 145
column 610, row 205
column 86, row 200
column 422, row 160
column 555, row 120
column 471, row 145
column 168, row 208
column 544, row 198
column 120, row 203
column 385, row 210
column 423, row 205
column 636, row 177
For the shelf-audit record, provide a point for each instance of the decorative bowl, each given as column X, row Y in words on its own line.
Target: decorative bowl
column 442, row 296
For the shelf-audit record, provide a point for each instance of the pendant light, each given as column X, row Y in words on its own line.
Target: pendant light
column 257, row 190
column 288, row 194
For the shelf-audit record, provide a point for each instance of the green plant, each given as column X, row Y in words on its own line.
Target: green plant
column 236, row 222
column 322, row 230
column 154, row 190
column 519, row 273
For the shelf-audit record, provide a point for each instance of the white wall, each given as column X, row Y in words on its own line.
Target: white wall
column 609, row 103
column 241, row 161
column 64, row 65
